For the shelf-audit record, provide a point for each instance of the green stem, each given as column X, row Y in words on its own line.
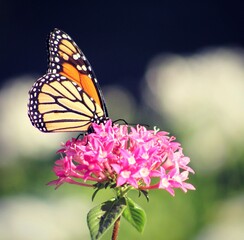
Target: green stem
column 116, row 229
column 122, row 192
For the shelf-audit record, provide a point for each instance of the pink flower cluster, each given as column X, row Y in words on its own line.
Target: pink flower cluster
column 124, row 155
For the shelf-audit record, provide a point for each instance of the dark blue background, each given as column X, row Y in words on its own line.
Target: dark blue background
column 119, row 38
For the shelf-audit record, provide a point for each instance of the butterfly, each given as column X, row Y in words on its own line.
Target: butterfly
column 68, row 97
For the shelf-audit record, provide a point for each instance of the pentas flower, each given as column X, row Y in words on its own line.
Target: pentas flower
column 121, row 155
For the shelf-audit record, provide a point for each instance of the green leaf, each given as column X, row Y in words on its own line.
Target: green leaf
column 104, row 215
column 135, row 215
column 98, row 187
column 145, row 193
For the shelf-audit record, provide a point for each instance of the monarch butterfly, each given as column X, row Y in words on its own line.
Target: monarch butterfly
column 68, row 97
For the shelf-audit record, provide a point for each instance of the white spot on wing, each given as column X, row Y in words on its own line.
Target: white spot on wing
column 84, row 68
column 76, row 56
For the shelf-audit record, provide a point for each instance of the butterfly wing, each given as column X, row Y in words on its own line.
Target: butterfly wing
column 68, row 97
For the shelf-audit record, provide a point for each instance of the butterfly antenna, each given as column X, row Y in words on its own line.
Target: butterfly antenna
column 120, row 119
column 129, row 124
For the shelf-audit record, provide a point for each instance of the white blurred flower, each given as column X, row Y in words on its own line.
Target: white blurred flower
column 228, row 222
column 18, row 137
column 28, row 218
column 202, row 96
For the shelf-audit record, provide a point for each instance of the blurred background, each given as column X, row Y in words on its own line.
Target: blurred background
column 178, row 65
